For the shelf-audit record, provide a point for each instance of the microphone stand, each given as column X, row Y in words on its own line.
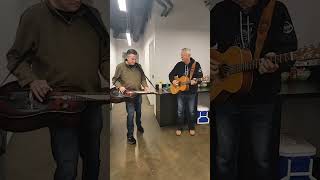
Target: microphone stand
column 142, row 72
column 114, row 83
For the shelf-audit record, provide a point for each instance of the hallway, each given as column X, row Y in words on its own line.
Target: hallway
column 159, row 154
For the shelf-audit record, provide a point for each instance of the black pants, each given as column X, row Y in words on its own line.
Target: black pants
column 68, row 143
column 231, row 119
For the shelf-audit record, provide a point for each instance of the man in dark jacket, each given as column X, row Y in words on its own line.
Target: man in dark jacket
column 235, row 23
column 186, row 99
column 65, row 43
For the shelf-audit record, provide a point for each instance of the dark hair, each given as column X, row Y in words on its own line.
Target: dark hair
column 132, row 51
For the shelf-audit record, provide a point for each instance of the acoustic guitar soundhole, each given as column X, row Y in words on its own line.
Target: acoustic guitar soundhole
column 225, row 70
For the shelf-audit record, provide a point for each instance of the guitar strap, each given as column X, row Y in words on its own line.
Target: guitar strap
column 193, row 67
column 263, row 28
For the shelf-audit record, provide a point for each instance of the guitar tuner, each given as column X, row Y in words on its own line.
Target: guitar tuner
column 65, row 105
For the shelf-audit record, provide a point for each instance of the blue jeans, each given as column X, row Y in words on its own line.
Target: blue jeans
column 68, row 143
column 186, row 108
column 230, row 120
column 132, row 107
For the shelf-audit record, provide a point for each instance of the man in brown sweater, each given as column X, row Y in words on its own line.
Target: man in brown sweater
column 130, row 76
column 64, row 43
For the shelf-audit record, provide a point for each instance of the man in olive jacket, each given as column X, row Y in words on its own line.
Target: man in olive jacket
column 130, row 76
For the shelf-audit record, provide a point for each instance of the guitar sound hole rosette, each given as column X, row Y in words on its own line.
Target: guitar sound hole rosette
column 224, row 70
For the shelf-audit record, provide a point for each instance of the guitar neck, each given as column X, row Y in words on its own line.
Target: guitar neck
column 143, row 92
column 189, row 82
column 253, row 65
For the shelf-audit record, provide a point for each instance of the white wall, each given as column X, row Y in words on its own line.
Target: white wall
column 168, row 49
column 186, row 26
column 149, row 44
column 117, row 47
column 113, row 55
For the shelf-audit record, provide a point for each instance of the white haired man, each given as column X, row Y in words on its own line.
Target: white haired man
column 186, row 99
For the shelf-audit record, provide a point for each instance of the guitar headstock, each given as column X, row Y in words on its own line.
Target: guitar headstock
column 307, row 53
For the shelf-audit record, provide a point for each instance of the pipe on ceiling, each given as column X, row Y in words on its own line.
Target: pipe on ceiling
column 167, row 6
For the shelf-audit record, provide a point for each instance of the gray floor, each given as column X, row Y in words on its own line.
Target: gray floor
column 159, row 154
column 28, row 157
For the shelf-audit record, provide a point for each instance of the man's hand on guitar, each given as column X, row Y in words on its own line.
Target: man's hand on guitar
column 193, row 82
column 146, row 89
column 175, row 82
column 122, row 89
column 40, row 88
column 266, row 66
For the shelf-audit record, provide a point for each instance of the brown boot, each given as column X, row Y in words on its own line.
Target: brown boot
column 178, row 132
column 192, row 132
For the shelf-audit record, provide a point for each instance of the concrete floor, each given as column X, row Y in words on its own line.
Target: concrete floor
column 158, row 154
column 28, row 157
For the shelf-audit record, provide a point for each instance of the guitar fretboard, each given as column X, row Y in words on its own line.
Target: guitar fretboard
column 188, row 82
column 252, row 65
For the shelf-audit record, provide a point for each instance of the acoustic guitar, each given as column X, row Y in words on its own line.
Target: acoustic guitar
column 236, row 69
column 183, row 84
column 21, row 112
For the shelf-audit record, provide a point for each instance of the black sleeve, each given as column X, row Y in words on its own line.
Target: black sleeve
column 95, row 20
column 198, row 71
column 287, row 39
column 173, row 73
column 286, row 36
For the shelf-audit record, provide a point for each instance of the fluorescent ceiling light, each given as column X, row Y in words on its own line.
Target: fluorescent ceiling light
column 128, row 38
column 122, row 5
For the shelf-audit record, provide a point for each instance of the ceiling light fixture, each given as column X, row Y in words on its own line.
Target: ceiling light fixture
column 128, row 38
column 122, row 5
